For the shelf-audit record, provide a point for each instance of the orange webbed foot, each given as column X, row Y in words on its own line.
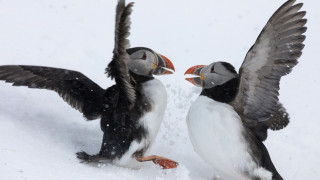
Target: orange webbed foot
column 165, row 163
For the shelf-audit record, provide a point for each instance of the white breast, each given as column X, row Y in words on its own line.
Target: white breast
column 215, row 131
column 156, row 93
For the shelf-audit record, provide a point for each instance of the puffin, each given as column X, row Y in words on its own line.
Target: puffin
column 228, row 122
column 131, row 111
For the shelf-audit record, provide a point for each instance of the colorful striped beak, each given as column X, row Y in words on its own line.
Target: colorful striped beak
column 195, row 70
column 163, row 65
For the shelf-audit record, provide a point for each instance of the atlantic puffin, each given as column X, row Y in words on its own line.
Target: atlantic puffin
column 131, row 111
column 228, row 122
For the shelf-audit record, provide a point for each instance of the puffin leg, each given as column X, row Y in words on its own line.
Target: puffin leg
column 165, row 163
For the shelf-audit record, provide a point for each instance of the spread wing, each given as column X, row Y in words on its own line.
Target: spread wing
column 117, row 68
column 273, row 55
column 75, row 88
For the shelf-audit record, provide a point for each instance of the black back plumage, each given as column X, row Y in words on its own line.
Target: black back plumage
column 260, row 153
column 121, row 127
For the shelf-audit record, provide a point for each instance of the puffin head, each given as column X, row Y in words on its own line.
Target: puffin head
column 144, row 61
column 212, row 75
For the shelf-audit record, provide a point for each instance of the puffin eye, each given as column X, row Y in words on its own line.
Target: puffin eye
column 144, row 57
column 212, row 69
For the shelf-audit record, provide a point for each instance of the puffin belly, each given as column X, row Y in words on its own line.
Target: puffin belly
column 216, row 132
column 156, row 93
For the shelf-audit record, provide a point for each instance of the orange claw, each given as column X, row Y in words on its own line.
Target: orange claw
column 165, row 163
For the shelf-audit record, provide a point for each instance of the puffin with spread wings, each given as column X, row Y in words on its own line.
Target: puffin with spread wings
column 228, row 122
column 131, row 111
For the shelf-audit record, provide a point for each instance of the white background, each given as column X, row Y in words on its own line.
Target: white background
column 40, row 133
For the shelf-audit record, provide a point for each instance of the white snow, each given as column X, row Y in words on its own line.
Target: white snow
column 40, row 133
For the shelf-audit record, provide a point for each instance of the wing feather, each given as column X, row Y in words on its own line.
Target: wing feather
column 117, row 68
column 76, row 89
column 274, row 54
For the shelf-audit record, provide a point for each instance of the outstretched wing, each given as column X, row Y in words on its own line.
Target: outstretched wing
column 118, row 66
column 75, row 88
column 273, row 55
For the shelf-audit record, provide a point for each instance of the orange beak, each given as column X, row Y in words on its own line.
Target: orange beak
column 163, row 65
column 195, row 70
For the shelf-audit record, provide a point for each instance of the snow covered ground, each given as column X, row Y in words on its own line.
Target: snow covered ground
column 40, row 133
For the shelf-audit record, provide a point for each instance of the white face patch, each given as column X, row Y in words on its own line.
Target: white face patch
column 141, row 62
column 216, row 74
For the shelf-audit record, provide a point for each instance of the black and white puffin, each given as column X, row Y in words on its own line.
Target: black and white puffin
column 131, row 111
column 228, row 122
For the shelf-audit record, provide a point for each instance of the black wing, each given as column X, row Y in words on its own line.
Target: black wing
column 118, row 66
column 273, row 55
column 75, row 88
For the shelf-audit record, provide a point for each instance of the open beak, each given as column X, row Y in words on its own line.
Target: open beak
column 195, row 70
column 162, row 66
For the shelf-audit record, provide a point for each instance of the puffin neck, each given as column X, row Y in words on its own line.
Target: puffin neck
column 223, row 93
column 141, row 78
